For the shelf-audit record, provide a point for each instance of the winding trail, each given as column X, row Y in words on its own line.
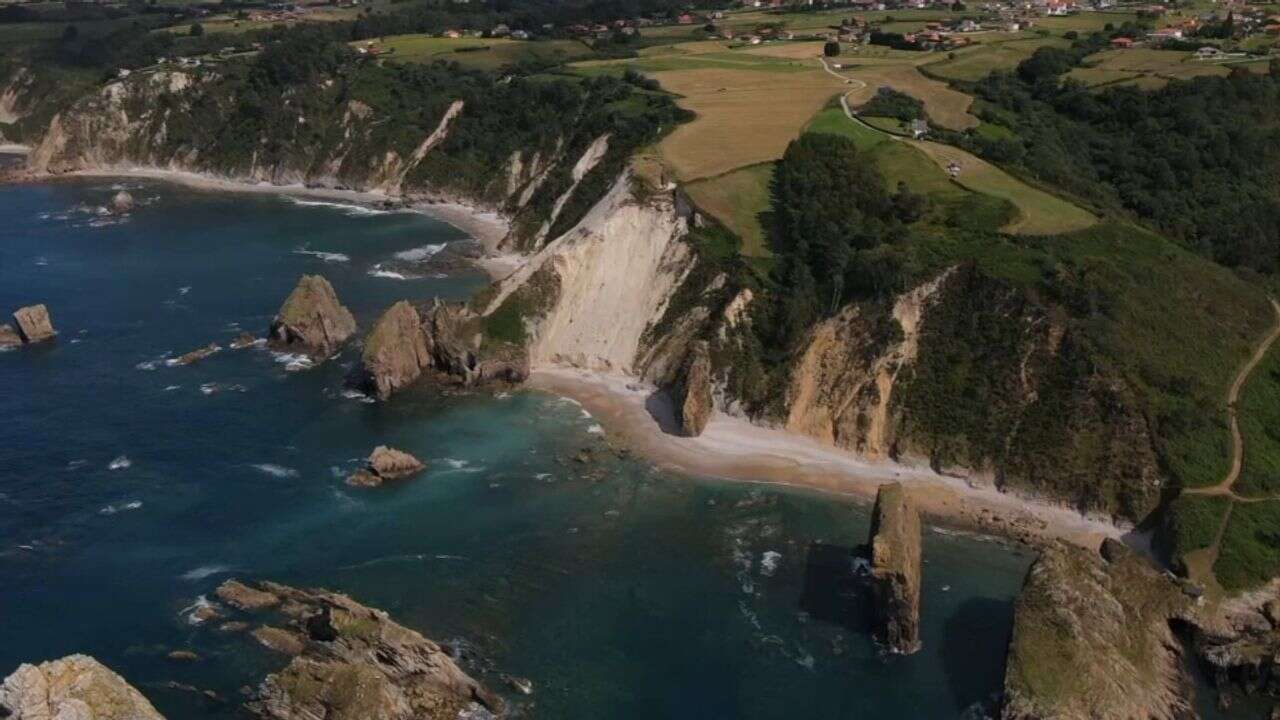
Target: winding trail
column 1226, row 486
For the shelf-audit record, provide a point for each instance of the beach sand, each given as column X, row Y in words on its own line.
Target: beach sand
column 734, row 449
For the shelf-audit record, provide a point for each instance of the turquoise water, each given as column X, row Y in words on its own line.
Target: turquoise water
column 621, row 591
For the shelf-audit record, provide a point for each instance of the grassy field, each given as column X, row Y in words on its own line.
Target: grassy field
column 978, row 61
column 738, row 198
column 1250, row 551
column 1259, row 417
column 1039, row 213
column 485, row 53
column 945, row 106
column 1149, row 68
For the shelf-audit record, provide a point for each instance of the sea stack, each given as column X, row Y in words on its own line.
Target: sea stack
column 1092, row 639
column 76, row 687
column 312, row 320
column 34, row 324
column 895, row 570
column 386, row 464
column 395, row 352
column 695, row 392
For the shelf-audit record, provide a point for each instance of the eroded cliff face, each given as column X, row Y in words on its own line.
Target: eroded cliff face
column 318, row 135
column 589, row 296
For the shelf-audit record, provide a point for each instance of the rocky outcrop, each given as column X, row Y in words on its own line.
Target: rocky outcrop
column 1092, row 640
column 1238, row 641
column 386, row 464
column 350, row 662
column 695, row 392
column 895, row 570
column 195, row 355
column 9, row 337
column 238, row 595
column 121, row 203
column 395, row 352
column 34, row 324
column 312, row 321
column 76, row 687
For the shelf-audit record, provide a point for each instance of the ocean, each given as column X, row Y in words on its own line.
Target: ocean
column 130, row 488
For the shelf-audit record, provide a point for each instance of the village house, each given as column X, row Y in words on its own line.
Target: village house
column 1122, row 43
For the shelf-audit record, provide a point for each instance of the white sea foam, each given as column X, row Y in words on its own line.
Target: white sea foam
column 209, row 388
column 121, row 462
column 204, row 571
column 357, row 395
column 334, row 257
column 171, row 388
column 769, row 562
column 542, row 476
column 184, row 290
column 274, row 470
column 121, row 507
column 293, row 362
column 189, row 612
column 377, row 271
column 419, row 254
column 586, row 415
column 595, row 430
column 461, row 466
column 346, row 208
column 861, row 566
column 77, row 464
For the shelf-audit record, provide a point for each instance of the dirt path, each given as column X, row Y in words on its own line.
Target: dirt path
column 1237, row 440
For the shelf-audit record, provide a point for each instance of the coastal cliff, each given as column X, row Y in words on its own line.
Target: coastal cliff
column 895, row 569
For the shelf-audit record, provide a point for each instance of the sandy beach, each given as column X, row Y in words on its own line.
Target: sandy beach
column 733, row 449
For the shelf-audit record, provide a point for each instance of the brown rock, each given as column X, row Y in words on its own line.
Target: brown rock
column 34, row 324
column 242, row 341
column 312, row 320
column 895, row 569
column 395, row 352
column 121, row 203
column 183, row 656
column 233, row 626
column 197, row 355
column 696, row 401
column 205, row 613
column 9, row 337
column 354, row 662
column 385, row 464
column 282, row 641
column 239, row 595
column 76, row 687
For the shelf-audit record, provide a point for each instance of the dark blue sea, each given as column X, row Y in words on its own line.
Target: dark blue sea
column 129, row 489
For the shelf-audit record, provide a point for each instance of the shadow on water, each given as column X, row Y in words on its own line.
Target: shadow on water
column 832, row 591
column 969, row 628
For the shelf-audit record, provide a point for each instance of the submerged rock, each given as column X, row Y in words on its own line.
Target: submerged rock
column 354, row 662
column 34, row 324
column 242, row 341
column 695, row 392
column 312, row 320
column 386, row 464
column 9, row 337
column 1092, row 639
column 395, row 352
column 895, row 569
column 76, row 687
column 197, row 354
column 121, row 203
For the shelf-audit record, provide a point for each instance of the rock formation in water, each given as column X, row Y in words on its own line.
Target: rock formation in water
column 1092, row 640
column 448, row 338
column 895, row 570
column 9, row 337
column 386, row 464
column 312, row 320
column 196, row 355
column 350, row 662
column 695, row 392
column 1238, row 641
column 121, row 203
column 242, row 341
column 395, row 352
column 34, row 324
column 76, row 687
